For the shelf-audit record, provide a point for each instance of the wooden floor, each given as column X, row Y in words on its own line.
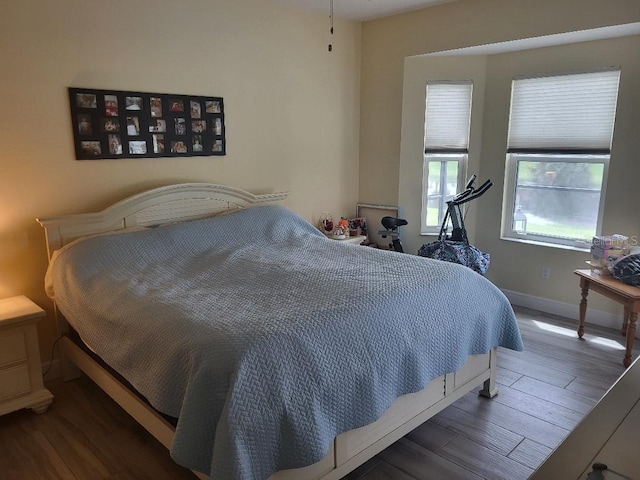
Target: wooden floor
column 544, row 392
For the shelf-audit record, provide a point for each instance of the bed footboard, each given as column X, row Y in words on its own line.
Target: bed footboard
column 477, row 367
column 353, row 448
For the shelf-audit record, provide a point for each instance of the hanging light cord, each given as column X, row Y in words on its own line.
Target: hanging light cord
column 331, row 23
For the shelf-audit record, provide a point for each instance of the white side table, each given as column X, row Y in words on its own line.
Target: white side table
column 21, row 383
column 355, row 240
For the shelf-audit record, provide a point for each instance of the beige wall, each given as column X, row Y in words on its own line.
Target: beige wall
column 464, row 23
column 292, row 109
column 386, row 44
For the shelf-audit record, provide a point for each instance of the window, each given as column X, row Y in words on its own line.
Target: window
column 447, row 120
column 560, row 132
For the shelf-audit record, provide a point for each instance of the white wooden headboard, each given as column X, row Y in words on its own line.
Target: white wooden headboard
column 172, row 203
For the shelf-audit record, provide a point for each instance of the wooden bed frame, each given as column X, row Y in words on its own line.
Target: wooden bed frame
column 199, row 200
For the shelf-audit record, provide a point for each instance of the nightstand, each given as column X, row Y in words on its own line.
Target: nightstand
column 21, row 383
column 355, row 240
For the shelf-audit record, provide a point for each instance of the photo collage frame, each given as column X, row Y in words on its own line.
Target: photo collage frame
column 109, row 124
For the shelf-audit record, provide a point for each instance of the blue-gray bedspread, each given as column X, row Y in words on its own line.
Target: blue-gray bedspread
column 266, row 339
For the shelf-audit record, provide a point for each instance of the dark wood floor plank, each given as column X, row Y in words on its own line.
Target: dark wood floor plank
column 24, row 454
column 511, row 419
column 550, row 393
column 46, row 453
column 479, row 430
column 505, row 376
column 521, row 363
column 84, row 435
column 550, row 366
column 363, row 469
column 484, row 461
column 431, row 435
column 82, row 456
column 559, row 331
column 384, row 471
column 581, row 361
column 540, row 407
column 530, row 453
column 593, row 388
column 421, row 464
column 590, row 356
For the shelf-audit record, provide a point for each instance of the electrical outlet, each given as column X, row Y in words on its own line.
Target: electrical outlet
column 546, row 272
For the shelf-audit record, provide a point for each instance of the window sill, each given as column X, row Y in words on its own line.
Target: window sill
column 574, row 248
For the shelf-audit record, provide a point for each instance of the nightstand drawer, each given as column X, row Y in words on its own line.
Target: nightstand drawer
column 14, row 381
column 13, row 348
column 21, row 384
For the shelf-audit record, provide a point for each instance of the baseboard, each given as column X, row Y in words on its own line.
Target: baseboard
column 562, row 309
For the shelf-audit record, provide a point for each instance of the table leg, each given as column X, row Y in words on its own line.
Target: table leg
column 625, row 321
column 583, row 306
column 631, row 335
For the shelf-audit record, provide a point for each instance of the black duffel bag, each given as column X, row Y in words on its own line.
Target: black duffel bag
column 457, row 252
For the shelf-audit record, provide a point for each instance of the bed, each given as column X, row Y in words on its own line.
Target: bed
column 254, row 347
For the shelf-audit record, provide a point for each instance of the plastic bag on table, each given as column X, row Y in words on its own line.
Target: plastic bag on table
column 627, row 269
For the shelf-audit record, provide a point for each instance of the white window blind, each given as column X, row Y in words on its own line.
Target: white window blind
column 448, row 113
column 566, row 112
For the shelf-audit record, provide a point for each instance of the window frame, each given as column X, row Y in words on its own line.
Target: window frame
column 462, row 160
column 432, row 152
column 511, row 178
column 565, row 153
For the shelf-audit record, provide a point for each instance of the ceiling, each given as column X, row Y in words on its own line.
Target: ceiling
column 362, row 10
